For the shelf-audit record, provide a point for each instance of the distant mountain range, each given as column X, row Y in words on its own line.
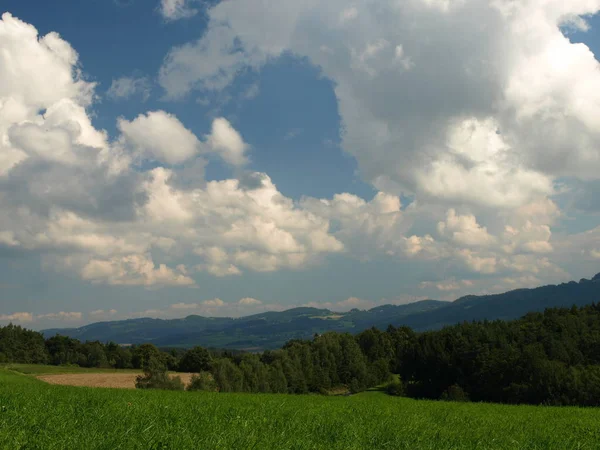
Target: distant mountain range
column 270, row 330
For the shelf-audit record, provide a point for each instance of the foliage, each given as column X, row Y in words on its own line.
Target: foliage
column 455, row 393
column 545, row 358
column 395, row 388
column 156, row 377
column 550, row 358
column 202, row 381
column 22, row 346
column 196, row 360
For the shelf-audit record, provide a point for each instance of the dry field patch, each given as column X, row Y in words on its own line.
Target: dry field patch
column 105, row 380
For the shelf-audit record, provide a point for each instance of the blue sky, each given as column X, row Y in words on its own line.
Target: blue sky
column 169, row 157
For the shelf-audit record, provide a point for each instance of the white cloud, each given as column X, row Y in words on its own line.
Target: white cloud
column 465, row 230
column 448, row 285
column 490, row 115
column 63, row 316
column 160, row 136
column 185, row 306
column 19, row 317
column 8, row 238
column 27, row 317
column 133, row 270
column 476, row 263
column 127, row 87
column 99, row 314
column 348, row 15
column 248, row 301
column 530, row 238
column 363, row 227
column 216, row 302
column 227, row 142
column 468, row 142
column 216, row 262
column 176, row 9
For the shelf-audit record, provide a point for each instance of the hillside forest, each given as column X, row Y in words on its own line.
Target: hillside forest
column 550, row 358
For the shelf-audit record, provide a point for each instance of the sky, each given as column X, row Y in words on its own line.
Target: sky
column 162, row 158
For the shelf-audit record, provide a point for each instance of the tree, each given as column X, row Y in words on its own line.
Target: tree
column 202, row 381
column 22, row 346
column 227, row 375
column 143, row 354
column 196, row 360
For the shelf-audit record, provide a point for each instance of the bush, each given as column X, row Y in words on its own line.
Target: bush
column 355, row 386
column 395, row 388
column 156, row 377
column 455, row 393
column 159, row 380
column 204, row 381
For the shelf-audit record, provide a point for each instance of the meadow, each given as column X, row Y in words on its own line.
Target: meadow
column 36, row 415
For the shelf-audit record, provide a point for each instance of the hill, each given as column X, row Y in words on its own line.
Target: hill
column 271, row 330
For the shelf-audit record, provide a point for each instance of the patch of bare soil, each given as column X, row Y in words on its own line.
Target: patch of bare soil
column 105, row 380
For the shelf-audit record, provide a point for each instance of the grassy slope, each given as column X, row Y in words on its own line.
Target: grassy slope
column 36, row 415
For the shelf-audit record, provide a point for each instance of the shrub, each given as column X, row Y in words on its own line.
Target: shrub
column 159, row 380
column 395, row 388
column 355, row 386
column 156, row 377
column 455, row 393
column 204, row 381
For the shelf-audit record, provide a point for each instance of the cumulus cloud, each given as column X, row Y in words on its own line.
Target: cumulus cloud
column 69, row 193
column 176, row 9
column 160, row 136
column 184, row 306
column 126, row 87
column 513, row 110
column 134, row 270
column 216, row 302
column 448, row 285
column 466, row 149
column 465, row 230
column 62, row 315
column 19, row 317
column 227, row 142
column 249, row 301
column 495, row 132
column 28, row 318
column 102, row 314
column 364, row 227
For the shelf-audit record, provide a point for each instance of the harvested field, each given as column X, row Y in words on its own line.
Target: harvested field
column 105, row 380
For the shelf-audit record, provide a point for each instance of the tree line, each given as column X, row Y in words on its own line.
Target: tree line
column 543, row 358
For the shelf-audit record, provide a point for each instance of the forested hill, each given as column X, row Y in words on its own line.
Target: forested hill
column 272, row 329
column 550, row 358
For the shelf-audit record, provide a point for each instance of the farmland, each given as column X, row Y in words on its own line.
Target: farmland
column 89, row 377
column 34, row 414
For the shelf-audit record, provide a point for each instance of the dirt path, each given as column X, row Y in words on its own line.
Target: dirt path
column 106, row 380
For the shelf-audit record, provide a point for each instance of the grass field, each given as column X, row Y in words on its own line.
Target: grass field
column 35, row 415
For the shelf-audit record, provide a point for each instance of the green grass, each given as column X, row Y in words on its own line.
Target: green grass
column 34, row 415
